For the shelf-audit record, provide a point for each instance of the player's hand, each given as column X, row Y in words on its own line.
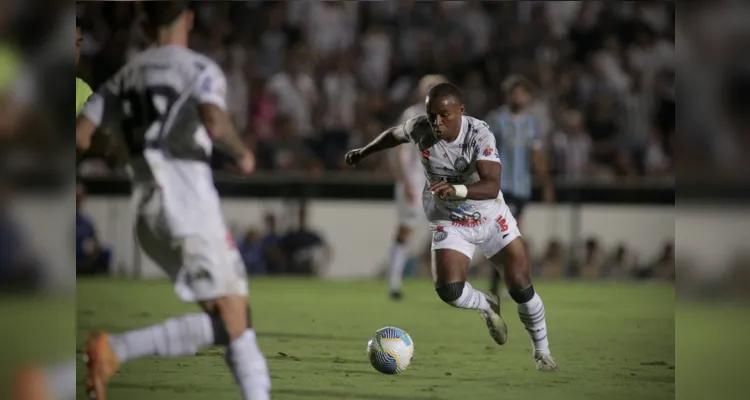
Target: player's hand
column 354, row 157
column 442, row 189
column 246, row 165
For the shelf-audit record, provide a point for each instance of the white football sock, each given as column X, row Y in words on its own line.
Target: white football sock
column 472, row 299
column 532, row 315
column 398, row 263
column 249, row 368
column 62, row 379
column 182, row 336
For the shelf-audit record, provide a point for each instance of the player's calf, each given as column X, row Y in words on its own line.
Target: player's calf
column 531, row 310
column 243, row 356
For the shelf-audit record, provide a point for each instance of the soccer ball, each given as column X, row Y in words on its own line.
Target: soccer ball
column 390, row 350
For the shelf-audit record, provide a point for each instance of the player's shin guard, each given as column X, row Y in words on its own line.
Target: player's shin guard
column 181, row 336
column 532, row 315
column 248, row 366
column 397, row 265
column 462, row 295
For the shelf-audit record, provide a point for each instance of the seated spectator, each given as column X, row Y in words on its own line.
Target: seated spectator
column 270, row 243
column 591, row 266
column 250, row 247
column 305, row 252
column 92, row 258
column 552, row 264
column 620, row 264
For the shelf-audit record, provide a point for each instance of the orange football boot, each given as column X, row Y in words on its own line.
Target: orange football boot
column 101, row 365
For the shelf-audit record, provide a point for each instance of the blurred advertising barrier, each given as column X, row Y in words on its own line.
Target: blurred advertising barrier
column 357, row 217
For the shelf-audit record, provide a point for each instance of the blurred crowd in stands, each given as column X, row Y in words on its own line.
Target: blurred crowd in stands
column 308, row 80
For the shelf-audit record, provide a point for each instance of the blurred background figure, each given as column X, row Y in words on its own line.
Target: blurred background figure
column 305, row 251
column 92, row 257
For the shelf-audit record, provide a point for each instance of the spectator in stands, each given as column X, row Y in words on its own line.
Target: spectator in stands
column 607, row 152
column 572, row 147
column 270, row 243
column 620, row 264
column 92, row 258
column 250, row 247
column 305, row 251
column 287, row 151
column 295, row 92
column 591, row 265
column 553, row 262
column 340, row 100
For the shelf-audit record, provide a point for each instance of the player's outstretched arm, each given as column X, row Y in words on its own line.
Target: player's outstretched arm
column 390, row 138
column 225, row 136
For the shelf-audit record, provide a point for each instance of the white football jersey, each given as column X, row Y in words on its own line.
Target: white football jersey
column 454, row 162
column 152, row 104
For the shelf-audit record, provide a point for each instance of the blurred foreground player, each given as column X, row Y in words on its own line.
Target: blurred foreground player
column 466, row 209
column 410, row 185
column 520, row 141
column 164, row 103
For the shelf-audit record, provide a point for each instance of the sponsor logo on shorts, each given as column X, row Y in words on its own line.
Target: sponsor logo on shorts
column 502, row 223
column 468, row 221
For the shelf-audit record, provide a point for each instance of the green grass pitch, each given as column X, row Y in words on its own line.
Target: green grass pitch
column 611, row 341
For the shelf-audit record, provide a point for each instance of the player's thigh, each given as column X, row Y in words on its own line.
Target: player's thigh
column 451, row 254
column 513, row 260
column 157, row 243
column 211, row 268
column 498, row 235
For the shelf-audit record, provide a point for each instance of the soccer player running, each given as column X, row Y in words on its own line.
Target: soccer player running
column 466, row 209
column 168, row 104
column 409, row 188
column 520, row 141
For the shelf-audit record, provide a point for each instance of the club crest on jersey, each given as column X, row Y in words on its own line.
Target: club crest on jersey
column 461, row 165
column 426, row 154
column 487, row 151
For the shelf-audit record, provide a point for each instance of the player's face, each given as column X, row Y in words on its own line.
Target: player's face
column 444, row 115
column 520, row 97
column 79, row 40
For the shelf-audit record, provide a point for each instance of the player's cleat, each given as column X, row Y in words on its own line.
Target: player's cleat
column 496, row 325
column 545, row 363
column 101, row 365
column 31, row 384
column 396, row 295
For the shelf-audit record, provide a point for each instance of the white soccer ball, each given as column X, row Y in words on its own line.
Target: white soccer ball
column 390, row 350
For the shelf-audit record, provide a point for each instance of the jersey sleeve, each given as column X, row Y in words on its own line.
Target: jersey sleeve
column 93, row 109
column 406, row 131
column 211, row 87
column 486, row 145
column 83, row 92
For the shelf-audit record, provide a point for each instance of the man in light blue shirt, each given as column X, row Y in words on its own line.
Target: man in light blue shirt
column 520, row 142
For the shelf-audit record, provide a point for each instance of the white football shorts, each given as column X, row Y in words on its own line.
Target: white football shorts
column 203, row 266
column 490, row 233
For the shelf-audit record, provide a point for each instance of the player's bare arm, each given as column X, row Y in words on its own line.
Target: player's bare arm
column 487, row 188
column 225, row 136
column 389, row 139
column 85, row 129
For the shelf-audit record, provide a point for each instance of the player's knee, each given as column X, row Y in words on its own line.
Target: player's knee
column 450, row 292
column 517, row 277
column 402, row 236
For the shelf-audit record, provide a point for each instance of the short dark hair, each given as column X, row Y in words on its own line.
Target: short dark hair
column 160, row 14
column 445, row 89
column 78, row 23
column 512, row 82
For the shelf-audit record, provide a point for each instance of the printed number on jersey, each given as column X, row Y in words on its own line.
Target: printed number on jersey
column 144, row 114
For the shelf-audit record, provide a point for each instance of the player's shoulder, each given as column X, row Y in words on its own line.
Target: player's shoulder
column 477, row 127
column 417, row 126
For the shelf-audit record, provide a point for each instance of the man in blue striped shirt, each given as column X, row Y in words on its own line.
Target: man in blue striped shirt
column 520, row 141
